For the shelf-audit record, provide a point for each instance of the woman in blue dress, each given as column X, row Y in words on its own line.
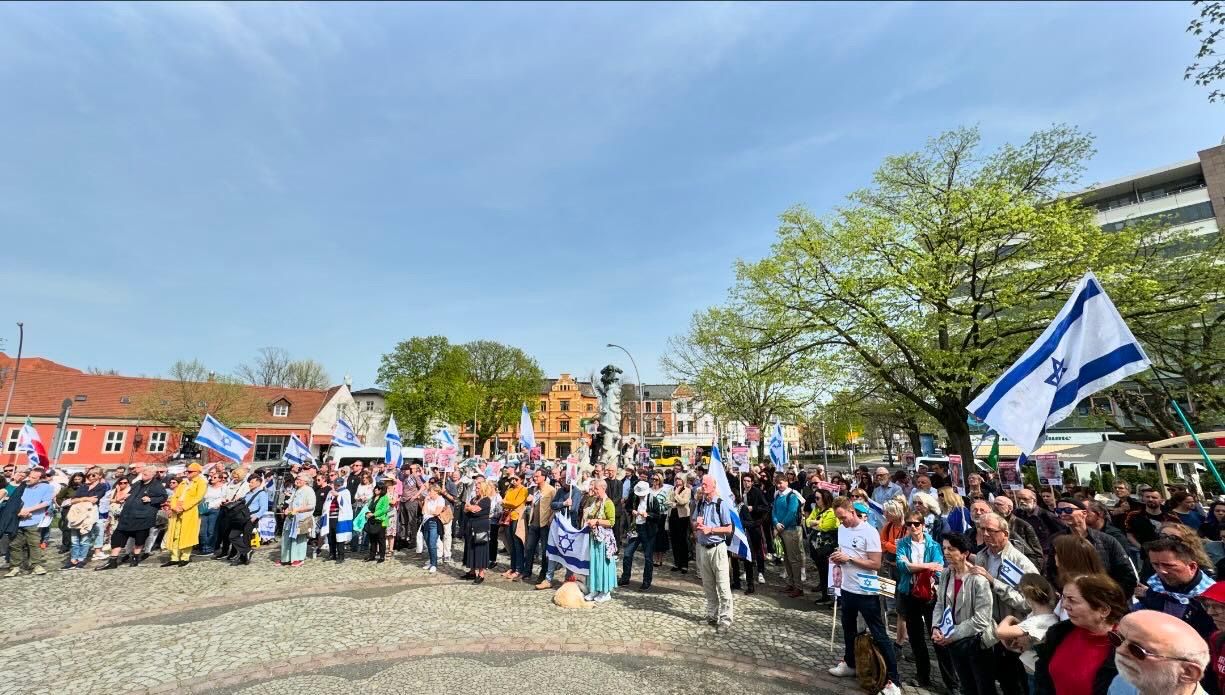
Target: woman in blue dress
column 599, row 515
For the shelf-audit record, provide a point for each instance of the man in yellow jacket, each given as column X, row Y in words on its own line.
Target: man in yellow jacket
column 183, row 532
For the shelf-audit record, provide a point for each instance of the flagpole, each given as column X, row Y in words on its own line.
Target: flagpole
column 1194, row 437
column 21, row 337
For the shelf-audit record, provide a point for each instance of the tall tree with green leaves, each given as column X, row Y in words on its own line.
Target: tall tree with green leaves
column 425, row 378
column 940, row 275
column 1209, row 65
column 500, row 380
column 738, row 374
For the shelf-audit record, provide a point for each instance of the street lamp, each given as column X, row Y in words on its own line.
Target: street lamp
column 642, row 434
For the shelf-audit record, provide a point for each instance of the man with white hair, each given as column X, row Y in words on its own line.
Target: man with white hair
column 1157, row 654
column 992, row 563
column 883, row 490
column 712, row 525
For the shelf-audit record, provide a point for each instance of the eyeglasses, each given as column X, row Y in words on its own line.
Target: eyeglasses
column 1138, row 652
column 1065, row 511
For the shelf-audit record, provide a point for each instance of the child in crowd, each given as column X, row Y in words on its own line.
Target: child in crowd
column 1023, row 635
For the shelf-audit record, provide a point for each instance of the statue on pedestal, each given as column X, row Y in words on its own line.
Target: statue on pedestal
column 606, row 444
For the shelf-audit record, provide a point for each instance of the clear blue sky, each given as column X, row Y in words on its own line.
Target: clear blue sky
column 200, row 180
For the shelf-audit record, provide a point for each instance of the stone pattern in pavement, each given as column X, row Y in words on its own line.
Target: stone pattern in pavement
column 210, row 627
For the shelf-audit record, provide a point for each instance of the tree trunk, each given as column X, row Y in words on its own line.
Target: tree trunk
column 953, row 419
column 912, row 433
column 480, row 444
column 888, row 439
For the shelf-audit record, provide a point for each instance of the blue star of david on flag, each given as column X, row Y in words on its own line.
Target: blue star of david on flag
column 1057, row 371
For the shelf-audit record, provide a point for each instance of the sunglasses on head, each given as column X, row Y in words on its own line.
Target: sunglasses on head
column 1138, row 652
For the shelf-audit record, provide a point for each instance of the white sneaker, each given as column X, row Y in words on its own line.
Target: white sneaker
column 843, row 671
column 586, row 597
column 426, row 566
column 890, row 689
column 433, row 569
column 601, row 598
column 761, row 578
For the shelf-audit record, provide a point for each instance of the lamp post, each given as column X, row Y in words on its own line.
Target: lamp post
column 642, row 434
column 21, row 338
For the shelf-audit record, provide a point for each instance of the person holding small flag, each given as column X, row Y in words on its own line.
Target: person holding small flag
column 1001, row 564
column 963, row 617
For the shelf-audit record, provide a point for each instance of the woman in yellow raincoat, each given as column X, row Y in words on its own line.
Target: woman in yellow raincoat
column 183, row 532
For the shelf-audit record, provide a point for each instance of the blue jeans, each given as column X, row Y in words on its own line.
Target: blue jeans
column 537, row 544
column 430, row 528
column 867, row 605
column 645, row 540
column 208, row 531
column 82, row 544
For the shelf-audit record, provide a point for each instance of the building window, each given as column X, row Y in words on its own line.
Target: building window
column 270, row 447
column 1171, row 218
column 563, row 425
column 369, row 406
column 564, row 406
column 659, row 426
column 647, row 406
column 114, row 441
column 659, row 406
column 280, row 410
column 633, row 427
column 544, row 406
column 590, row 407
column 157, row 442
column 11, row 444
column 72, row 442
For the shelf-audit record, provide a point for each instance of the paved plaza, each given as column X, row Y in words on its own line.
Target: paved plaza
column 365, row 627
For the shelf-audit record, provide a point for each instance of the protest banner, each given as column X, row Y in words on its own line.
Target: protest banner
column 1048, row 470
column 1010, row 477
column 956, row 479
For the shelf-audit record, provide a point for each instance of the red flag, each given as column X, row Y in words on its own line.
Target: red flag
column 29, row 442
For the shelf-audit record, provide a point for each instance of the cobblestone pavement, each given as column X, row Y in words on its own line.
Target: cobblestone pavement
column 263, row 629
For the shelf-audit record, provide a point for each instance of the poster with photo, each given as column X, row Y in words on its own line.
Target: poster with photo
column 1010, row 476
column 955, row 474
column 740, row 458
column 430, row 456
column 1048, row 470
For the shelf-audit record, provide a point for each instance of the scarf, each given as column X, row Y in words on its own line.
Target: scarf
column 1154, row 584
column 344, row 521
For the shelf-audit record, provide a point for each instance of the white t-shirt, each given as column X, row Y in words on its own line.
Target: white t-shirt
column 857, row 543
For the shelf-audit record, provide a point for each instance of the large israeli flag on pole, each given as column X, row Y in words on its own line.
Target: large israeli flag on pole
column 297, row 452
column 778, row 448
column 739, row 545
column 344, row 435
column 527, row 437
column 1086, row 348
column 444, row 437
column 394, row 453
column 222, row 439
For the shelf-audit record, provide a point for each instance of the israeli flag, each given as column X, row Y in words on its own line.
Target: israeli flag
column 344, row 435
column 739, row 545
column 297, row 452
column 444, row 437
column 527, row 437
column 568, row 546
column 778, row 449
column 1086, row 348
column 222, row 439
column 394, row 454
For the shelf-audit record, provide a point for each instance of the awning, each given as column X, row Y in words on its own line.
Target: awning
column 1108, row 452
column 1010, row 451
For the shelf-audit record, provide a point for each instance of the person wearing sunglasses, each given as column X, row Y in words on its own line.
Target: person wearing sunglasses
column 1078, row 655
column 919, row 562
column 1071, row 513
column 1157, row 654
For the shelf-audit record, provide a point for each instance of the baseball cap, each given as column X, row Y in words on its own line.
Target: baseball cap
column 861, row 508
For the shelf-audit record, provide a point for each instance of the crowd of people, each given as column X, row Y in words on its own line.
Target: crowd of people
column 1012, row 591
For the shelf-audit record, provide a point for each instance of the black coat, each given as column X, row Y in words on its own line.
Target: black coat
column 1043, row 685
column 8, row 511
column 1113, row 556
column 138, row 515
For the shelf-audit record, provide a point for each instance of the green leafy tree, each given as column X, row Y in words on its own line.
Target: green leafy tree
column 425, row 378
column 738, row 375
column 940, row 275
column 1209, row 65
column 500, row 379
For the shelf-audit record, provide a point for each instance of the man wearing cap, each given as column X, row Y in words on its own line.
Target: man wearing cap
column 645, row 508
column 1114, row 558
column 183, row 530
column 859, row 557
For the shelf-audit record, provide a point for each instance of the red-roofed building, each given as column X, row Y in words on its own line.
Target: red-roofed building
column 105, row 424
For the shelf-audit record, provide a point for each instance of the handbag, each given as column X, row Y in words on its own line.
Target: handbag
column 922, row 585
column 480, row 537
column 304, row 526
column 447, row 515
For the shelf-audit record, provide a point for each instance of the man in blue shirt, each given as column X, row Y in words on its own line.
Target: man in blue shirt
column 882, row 492
column 26, row 551
column 786, row 517
column 712, row 525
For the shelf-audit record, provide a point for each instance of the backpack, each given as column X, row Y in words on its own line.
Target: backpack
column 869, row 664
